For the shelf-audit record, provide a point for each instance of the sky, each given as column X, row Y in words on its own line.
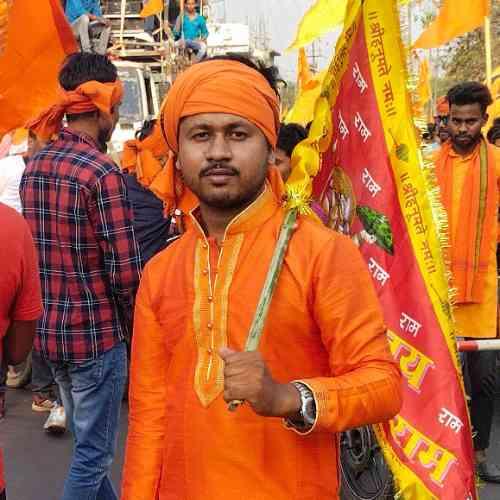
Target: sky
column 282, row 18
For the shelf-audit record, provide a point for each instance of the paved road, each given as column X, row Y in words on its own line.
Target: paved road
column 36, row 463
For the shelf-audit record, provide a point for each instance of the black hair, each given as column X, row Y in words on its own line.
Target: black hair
column 290, row 135
column 146, row 130
column 270, row 73
column 494, row 132
column 470, row 93
column 82, row 67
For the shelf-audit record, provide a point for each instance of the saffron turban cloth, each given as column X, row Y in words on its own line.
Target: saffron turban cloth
column 146, row 158
column 218, row 86
column 89, row 96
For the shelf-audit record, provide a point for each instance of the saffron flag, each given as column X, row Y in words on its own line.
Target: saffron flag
column 363, row 153
column 424, row 83
column 455, row 18
column 37, row 41
column 303, row 70
column 152, row 8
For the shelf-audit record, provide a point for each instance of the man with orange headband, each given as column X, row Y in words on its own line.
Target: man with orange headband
column 323, row 364
column 468, row 172
column 75, row 201
column 441, row 119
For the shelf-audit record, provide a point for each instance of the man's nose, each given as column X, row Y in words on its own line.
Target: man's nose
column 219, row 148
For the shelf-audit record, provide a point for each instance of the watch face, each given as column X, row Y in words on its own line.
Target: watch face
column 310, row 408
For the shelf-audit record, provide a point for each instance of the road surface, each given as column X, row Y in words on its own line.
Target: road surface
column 36, row 463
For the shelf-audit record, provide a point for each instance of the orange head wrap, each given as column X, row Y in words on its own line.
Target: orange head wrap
column 89, row 96
column 219, row 86
column 145, row 158
column 442, row 106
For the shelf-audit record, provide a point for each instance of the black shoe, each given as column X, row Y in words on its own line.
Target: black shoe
column 490, row 473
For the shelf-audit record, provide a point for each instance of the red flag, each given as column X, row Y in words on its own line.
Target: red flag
column 38, row 40
column 369, row 180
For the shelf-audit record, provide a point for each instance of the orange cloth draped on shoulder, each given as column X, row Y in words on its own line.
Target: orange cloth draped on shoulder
column 89, row 96
column 325, row 328
column 470, row 195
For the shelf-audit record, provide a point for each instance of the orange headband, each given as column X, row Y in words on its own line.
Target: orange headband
column 89, row 96
column 221, row 86
column 214, row 87
column 144, row 158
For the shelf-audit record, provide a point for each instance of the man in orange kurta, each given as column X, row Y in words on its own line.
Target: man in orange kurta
column 468, row 170
column 323, row 363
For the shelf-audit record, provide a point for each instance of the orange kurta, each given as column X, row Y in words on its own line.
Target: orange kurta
column 476, row 320
column 324, row 327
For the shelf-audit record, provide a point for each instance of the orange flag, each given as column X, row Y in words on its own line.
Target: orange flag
column 424, row 84
column 37, row 42
column 152, row 8
column 304, row 71
column 455, row 18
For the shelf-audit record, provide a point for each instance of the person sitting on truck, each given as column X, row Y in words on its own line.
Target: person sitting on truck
column 191, row 31
column 87, row 22
column 151, row 23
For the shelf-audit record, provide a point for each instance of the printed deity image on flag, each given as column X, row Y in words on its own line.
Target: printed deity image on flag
column 369, row 183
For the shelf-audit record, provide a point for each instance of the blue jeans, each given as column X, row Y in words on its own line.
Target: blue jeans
column 92, row 393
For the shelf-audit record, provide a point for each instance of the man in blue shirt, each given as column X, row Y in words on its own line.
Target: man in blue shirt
column 87, row 22
column 191, row 30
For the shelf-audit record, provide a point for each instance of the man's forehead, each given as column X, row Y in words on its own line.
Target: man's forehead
column 216, row 120
column 459, row 110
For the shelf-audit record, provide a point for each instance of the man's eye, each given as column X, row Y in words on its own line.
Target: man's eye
column 200, row 136
column 238, row 134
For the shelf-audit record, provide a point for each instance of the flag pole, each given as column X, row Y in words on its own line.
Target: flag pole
column 487, row 48
column 122, row 23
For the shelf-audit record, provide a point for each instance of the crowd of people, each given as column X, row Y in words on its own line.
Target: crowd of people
column 178, row 242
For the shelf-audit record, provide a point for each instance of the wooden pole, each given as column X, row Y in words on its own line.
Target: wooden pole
column 487, row 48
column 122, row 22
column 266, row 296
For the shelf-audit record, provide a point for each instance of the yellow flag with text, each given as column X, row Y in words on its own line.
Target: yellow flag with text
column 455, row 18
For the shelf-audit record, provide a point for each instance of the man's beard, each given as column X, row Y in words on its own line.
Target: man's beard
column 242, row 200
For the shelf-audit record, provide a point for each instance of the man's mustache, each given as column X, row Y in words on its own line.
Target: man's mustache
column 219, row 169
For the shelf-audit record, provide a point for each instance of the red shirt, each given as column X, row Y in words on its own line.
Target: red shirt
column 20, row 293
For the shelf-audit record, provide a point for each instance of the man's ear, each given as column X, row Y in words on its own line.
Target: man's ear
column 272, row 157
column 486, row 117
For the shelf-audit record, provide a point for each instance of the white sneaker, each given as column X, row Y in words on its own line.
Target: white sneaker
column 56, row 423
